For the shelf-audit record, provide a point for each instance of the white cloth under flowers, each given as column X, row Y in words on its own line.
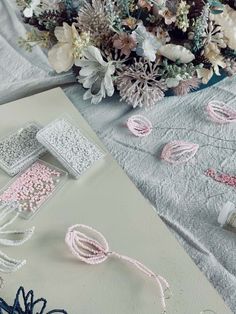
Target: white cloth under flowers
column 191, row 216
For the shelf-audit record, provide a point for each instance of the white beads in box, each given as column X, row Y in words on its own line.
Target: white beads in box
column 70, row 146
column 20, row 148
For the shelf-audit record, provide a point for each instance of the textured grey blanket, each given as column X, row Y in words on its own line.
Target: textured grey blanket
column 187, row 200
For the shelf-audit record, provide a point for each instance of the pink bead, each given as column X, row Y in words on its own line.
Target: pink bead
column 221, row 177
column 32, row 186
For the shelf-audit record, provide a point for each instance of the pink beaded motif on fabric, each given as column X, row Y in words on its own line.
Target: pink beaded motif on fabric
column 31, row 188
column 221, row 177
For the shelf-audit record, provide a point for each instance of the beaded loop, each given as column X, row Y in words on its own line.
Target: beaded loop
column 95, row 250
column 139, row 125
column 177, row 152
column 87, row 249
column 219, row 112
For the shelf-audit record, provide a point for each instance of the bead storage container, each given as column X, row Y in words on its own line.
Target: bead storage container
column 75, row 150
column 20, row 148
column 31, row 188
column 227, row 216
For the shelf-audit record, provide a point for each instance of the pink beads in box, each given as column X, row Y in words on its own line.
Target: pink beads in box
column 31, row 188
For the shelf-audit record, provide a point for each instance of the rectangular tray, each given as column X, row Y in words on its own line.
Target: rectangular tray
column 31, row 188
column 75, row 150
column 20, row 148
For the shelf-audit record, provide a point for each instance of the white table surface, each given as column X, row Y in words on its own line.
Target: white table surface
column 106, row 199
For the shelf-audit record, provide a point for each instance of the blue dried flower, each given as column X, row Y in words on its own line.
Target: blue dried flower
column 24, row 303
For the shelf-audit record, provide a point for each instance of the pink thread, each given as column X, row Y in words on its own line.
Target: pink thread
column 32, row 187
column 221, row 177
column 177, row 152
column 139, row 125
column 91, row 251
column 219, row 112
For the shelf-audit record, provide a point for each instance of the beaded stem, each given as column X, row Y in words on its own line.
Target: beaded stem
column 141, row 126
column 92, row 251
column 7, row 264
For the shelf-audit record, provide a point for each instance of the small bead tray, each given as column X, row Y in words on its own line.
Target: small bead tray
column 31, row 188
column 70, row 146
column 20, row 148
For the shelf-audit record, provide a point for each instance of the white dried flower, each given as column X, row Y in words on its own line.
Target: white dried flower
column 96, row 75
column 176, row 53
column 148, row 44
column 32, row 6
column 227, row 21
column 70, row 46
column 140, row 84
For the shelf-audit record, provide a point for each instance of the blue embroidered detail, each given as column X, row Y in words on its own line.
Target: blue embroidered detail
column 24, row 303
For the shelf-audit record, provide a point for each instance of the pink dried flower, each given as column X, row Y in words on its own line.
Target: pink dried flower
column 125, row 43
column 163, row 35
column 186, row 86
column 168, row 16
column 145, row 4
column 140, row 84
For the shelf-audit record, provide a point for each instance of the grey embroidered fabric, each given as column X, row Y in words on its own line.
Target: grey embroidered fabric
column 187, row 200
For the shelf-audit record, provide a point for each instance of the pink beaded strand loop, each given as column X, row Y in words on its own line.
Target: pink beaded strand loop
column 139, row 125
column 219, row 112
column 91, row 251
column 177, row 152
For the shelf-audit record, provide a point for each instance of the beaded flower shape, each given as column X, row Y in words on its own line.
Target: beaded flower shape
column 8, row 215
column 219, row 112
column 25, row 303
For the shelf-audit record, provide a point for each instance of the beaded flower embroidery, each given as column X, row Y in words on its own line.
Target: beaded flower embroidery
column 219, row 112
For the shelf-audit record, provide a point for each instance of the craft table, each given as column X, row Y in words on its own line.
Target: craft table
column 106, row 199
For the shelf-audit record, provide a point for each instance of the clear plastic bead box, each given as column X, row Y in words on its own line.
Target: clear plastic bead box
column 20, row 148
column 31, row 188
column 70, row 146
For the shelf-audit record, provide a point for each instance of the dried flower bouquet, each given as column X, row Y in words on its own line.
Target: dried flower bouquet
column 139, row 48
